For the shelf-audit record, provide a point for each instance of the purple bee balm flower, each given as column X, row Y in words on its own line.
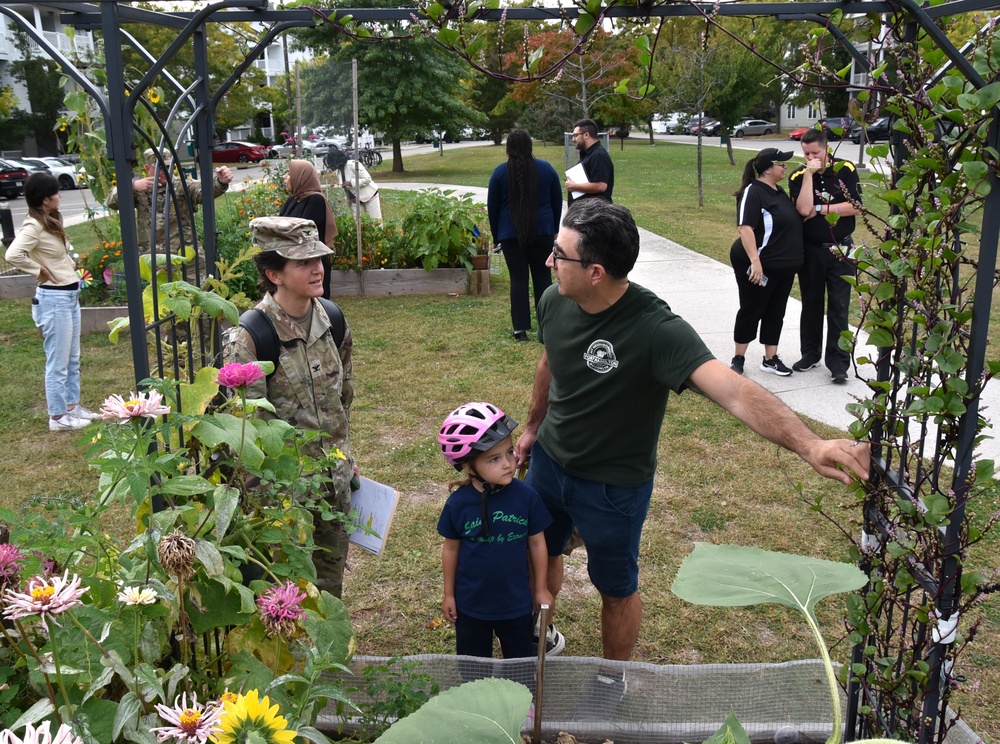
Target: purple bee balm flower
column 280, row 608
column 238, row 375
column 44, row 596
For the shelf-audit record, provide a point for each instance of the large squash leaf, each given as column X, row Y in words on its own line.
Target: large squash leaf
column 487, row 711
column 732, row 576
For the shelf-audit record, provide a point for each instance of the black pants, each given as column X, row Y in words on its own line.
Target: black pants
column 821, row 280
column 761, row 306
column 520, row 260
column 474, row 637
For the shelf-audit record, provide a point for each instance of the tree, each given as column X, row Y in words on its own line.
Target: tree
column 226, row 43
column 406, row 88
column 41, row 77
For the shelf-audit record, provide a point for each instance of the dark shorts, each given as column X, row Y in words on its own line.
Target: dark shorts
column 609, row 519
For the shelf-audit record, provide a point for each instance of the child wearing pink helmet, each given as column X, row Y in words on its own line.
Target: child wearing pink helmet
column 492, row 525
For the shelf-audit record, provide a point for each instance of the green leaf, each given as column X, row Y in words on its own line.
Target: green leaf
column 487, row 711
column 311, row 734
column 226, row 499
column 215, row 608
column 731, row 732
column 195, row 396
column 584, row 23
column 447, row 36
column 128, row 710
column 736, row 576
column 42, row 709
column 186, row 485
column 209, row 556
column 224, row 428
column 117, row 326
column 881, row 338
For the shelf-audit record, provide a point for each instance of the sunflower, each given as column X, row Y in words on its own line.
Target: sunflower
column 252, row 715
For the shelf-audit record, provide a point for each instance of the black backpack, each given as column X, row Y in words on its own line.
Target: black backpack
column 265, row 337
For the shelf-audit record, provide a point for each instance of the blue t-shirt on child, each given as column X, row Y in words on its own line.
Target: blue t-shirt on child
column 492, row 580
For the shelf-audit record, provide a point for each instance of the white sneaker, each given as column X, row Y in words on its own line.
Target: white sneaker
column 67, row 422
column 85, row 414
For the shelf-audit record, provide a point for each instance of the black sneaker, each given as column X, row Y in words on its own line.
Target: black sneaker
column 520, row 335
column 806, row 363
column 775, row 366
column 839, row 378
column 737, row 364
column 601, row 700
column 555, row 642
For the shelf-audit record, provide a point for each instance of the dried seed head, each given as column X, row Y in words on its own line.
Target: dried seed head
column 176, row 553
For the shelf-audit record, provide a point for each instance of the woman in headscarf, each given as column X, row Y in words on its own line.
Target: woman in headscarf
column 308, row 202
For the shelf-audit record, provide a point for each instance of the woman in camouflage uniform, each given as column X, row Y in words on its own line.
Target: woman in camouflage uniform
column 311, row 386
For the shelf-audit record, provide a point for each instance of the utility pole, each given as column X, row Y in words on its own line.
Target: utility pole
column 298, row 102
column 288, row 93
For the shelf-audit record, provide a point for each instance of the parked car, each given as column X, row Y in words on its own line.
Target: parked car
column 707, row 128
column 321, row 145
column 12, row 178
column 30, row 167
column 751, row 127
column 282, row 150
column 66, row 173
column 834, row 128
column 877, row 130
column 669, row 124
column 238, row 152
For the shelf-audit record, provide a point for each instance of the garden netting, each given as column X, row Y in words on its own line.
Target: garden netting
column 783, row 703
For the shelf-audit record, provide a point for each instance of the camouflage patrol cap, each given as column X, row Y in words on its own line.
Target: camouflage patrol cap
column 149, row 156
column 289, row 237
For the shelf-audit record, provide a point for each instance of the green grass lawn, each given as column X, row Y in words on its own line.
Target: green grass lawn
column 416, row 358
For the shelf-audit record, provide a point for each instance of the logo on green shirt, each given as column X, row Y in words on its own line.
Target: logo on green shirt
column 600, row 356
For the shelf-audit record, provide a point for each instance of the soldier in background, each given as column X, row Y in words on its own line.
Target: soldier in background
column 180, row 227
column 311, row 387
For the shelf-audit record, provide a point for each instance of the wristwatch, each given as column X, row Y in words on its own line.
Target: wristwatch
column 819, row 209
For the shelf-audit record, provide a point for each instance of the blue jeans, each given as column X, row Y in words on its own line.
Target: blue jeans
column 56, row 312
column 609, row 519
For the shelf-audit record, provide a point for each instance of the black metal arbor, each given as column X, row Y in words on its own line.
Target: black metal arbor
column 892, row 444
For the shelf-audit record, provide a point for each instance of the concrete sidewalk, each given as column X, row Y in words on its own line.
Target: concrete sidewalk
column 703, row 291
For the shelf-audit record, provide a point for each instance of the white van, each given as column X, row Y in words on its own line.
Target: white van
column 669, row 123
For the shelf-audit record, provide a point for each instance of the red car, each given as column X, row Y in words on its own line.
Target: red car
column 12, row 179
column 238, row 152
column 835, row 129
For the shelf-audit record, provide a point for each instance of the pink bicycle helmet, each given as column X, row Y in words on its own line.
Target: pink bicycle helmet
column 473, row 428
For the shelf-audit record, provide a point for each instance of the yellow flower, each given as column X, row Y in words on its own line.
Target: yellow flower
column 248, row 714
column 154, row 95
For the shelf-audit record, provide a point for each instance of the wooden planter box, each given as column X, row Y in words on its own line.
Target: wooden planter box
column 378, row 283
column 385, row 282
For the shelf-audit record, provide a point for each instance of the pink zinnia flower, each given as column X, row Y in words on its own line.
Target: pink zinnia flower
column 10, row 569
column 238, row 375
column 279, row 608
column 193, row 723
column 44, row 596
column 140, row 404
column 41, row 735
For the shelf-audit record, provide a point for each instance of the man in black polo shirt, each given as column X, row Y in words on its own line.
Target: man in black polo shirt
column 824, row 186
column 596, row 164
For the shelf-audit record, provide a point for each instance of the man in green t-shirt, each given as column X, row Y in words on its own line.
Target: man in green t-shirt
column 613, row 352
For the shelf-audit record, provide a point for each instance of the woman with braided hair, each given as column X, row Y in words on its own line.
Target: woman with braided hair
column 524, row 204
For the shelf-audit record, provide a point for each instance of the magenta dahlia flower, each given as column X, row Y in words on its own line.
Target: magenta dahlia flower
column 44, row 596
column 140, row 404
column 189, row 724
column 238, row 375
column 280, row 608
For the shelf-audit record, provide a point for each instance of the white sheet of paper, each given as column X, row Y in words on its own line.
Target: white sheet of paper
column 578, row 175
column 375, row 504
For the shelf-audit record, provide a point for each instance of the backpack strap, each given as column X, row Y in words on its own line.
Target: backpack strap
column 265, row 336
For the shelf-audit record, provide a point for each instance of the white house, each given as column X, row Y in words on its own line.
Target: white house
column 44, row 18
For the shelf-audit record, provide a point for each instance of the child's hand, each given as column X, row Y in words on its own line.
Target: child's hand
column 449, row 609
column 542, row 596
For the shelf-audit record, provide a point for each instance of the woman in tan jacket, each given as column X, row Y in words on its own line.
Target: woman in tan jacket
column 42, row 249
